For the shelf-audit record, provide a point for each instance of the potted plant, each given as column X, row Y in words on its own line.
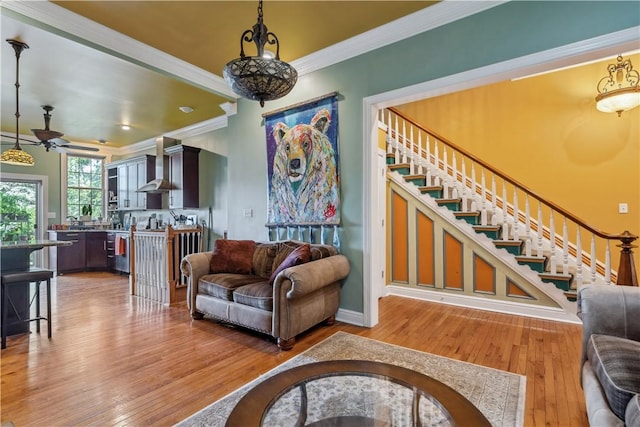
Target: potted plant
column 86, row 213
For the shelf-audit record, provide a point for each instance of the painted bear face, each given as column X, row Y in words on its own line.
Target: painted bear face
column 299, row 143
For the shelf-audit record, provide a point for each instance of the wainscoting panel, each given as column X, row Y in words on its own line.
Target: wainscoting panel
column 429, row 253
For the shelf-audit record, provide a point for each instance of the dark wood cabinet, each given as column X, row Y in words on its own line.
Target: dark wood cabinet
column 96, row 250
column 88, row 251
column 66, row 259
column 184, row 176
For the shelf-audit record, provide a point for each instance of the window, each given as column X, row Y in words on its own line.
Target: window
column 84, row 185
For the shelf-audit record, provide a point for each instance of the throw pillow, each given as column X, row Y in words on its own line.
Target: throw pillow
column 298, row 256
column 232, row 256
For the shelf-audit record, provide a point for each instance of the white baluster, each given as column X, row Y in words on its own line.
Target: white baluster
column 404, row 141
column 516, row 216
column 592, row 259
column 474, row 204
column 397, row 143
column 494, row 201
column 483, row 212
column 412, row 165
column 465, row 194
column 389, row 135
column 527, row 216
column 607, row 264
column 565, row 247
column 552, row 241
column 445, row 173
column 427, row 150
column 437, row 158
column 421, row 170
column 505, row 224
column 539, row 251
column 578, row 258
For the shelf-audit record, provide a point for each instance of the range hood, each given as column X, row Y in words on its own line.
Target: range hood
column 161, row 183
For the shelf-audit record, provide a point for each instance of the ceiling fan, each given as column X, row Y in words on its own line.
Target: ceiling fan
column 50, row 138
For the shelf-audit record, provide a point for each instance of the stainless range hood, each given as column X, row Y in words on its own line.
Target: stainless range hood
column 161, row 183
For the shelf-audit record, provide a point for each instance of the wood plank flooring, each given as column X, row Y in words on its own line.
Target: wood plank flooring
column 117, row 360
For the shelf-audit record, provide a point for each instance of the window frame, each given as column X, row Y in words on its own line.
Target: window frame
column 64, row 184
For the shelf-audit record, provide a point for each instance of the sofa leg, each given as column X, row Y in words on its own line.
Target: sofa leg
column 286, row 344
column 330, row 321
column 197, row 315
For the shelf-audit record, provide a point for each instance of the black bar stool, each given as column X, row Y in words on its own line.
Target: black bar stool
column 25, row 278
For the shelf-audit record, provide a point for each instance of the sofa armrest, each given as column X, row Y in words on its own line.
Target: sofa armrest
column 608, row 310
column 311, row 276
column 194, row 266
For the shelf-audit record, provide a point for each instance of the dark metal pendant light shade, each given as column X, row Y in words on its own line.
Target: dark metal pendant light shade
column 260, row 78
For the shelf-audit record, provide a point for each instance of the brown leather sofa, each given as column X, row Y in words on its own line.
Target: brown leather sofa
column 237, row 289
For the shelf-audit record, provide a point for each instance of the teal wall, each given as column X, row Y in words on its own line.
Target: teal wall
column 501, row 33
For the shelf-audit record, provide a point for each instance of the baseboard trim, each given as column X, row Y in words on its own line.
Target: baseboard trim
column 350, row 316
column 507, row 307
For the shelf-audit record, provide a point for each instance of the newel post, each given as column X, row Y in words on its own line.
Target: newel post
column 627, row 270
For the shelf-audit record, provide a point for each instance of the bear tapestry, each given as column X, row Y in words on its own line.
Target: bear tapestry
column 302, row 164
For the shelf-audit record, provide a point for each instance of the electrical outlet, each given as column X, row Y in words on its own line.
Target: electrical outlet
column 623, row 208
column 247, row 213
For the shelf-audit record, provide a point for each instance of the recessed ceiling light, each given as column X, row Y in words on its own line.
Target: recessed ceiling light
column 186, row 109
column 125, row 127
column 102, row 141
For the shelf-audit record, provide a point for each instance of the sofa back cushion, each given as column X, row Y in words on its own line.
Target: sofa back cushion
column 232, row 256
column 297, row 256
column 263, row 256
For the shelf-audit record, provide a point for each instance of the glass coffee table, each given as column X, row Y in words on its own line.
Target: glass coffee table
column 353, row 393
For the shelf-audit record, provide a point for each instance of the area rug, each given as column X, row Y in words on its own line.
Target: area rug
column 499, row 395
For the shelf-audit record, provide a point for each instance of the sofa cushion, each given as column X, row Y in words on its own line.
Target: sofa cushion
column 632, row 416
column 616, row 363
column 258, row 295
column 322, row 251
column 263, row 257
column 222, row 285
column 232, row 256
column 298, row 256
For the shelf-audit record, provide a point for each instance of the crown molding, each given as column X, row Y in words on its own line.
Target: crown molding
column 117, row 44
column 435, row 16
column 183, row 133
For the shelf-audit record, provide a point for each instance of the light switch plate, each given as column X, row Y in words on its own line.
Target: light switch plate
column 51, row 215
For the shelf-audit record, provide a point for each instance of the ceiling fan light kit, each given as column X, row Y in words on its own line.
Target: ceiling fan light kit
column 260, row 78
column 16, row 155
column 619, row 91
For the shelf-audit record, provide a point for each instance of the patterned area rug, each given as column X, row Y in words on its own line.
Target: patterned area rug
column 498, row 394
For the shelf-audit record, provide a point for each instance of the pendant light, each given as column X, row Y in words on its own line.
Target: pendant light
column 619, row 91
column 260, row 78
column 16, row 155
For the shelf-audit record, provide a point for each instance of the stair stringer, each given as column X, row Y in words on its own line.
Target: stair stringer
column 559, row 309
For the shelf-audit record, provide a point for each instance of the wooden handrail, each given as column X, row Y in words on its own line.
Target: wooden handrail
column 515, row 183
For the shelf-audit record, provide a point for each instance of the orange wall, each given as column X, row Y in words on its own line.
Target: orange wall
column 546, row 133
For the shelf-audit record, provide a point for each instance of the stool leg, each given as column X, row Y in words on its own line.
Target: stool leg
column 49, row 308
column 37, row 297
column 3, row 307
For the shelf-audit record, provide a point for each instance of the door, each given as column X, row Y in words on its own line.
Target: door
column 22, row 210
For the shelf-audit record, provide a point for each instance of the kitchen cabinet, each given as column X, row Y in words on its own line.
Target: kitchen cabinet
column 88, row 251
column 96, row 250
column 125, row 177
column 111, row 250
column 66, row 259
column 184, row 176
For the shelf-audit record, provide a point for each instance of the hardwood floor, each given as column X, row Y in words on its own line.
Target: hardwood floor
column 116, row 360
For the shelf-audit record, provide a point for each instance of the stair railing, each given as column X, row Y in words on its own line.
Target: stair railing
column 535, row 223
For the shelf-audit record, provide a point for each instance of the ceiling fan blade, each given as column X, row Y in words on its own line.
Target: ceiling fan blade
column 46, row 134
column 77, row 147
column 13, row 137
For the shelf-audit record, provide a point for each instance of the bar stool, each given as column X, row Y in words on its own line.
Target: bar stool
column 25, row 278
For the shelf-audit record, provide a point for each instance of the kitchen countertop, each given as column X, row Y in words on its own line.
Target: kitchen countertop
column 37, row 244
